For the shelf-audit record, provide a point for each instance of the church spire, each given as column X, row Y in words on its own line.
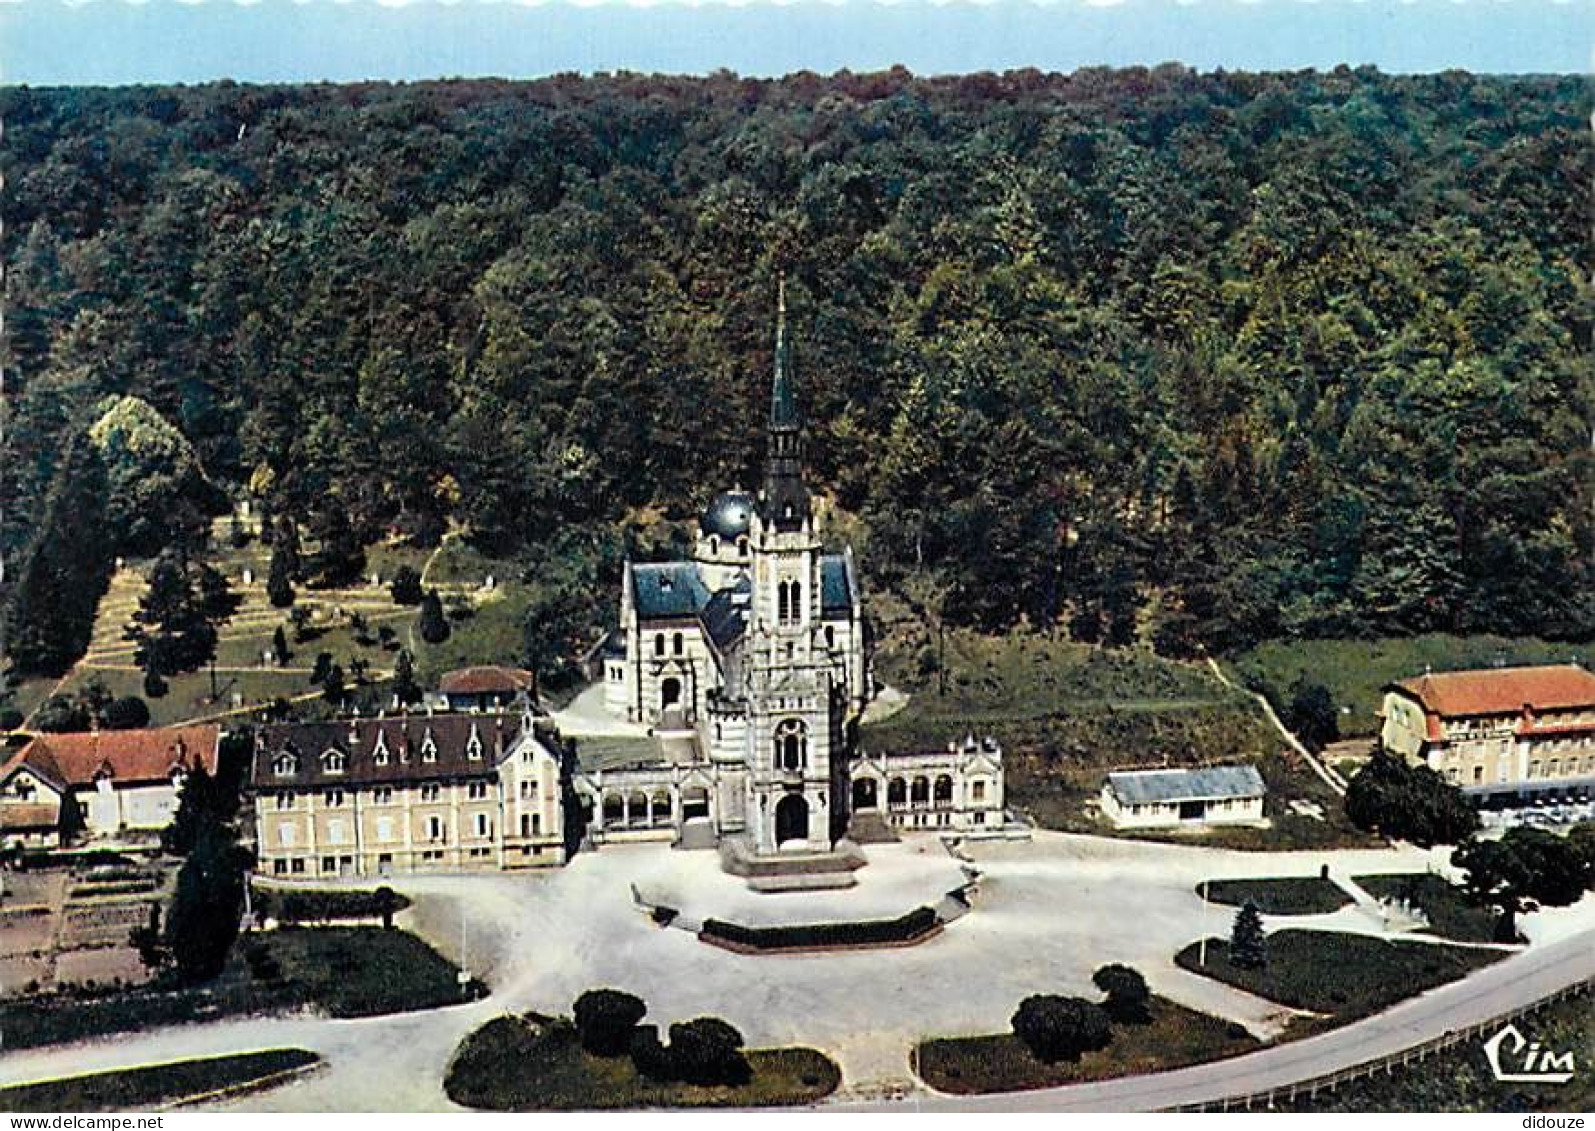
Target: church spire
column 786, row 499
column 783, row 399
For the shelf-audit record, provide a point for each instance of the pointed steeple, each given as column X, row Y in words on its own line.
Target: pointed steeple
column 785, row 501
column 783, row 398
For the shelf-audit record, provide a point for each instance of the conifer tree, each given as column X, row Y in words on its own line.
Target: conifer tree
column 279, row 583
column 434, row 626
column 405, row 689
column 1248, row 946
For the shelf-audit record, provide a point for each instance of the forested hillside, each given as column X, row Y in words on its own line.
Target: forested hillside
column 1216, row 358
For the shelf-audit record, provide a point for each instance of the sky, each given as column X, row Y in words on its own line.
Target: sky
column 116, row 42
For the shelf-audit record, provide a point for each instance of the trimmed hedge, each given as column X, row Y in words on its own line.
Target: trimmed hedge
column 813, row 936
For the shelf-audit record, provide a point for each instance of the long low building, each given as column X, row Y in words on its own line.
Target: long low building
column 1523, row 730
column 1213, row 795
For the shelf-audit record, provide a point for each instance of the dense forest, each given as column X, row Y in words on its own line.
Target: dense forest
column 1147, row 354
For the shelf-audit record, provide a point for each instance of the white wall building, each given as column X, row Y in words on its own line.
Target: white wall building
column 1160, row 799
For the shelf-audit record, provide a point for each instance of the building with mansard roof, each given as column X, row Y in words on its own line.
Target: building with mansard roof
column 407, row 793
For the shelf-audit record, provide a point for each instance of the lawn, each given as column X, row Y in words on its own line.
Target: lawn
column 513, row 1064
column 1451, row 914
column 154, row 1086
column 492, row 634
column 1342, row 975
column 340, row 971
column 1460, row 1079
column 1292, row 895
column 1354, row 671
column 1000, row 1062
column 362, row 971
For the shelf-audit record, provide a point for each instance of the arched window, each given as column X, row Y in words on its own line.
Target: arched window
column 783, row 602
column 677, row 643
column 614, row 810
column 797, row 601
column 944, row 790
column 659, row 644
column 919, row 792
column 830, row 636
column 714, row 543
column 791, row 745
column 742, row 547
column 896, row 792
column 637, row 810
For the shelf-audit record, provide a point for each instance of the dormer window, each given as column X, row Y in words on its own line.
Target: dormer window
column 429, row 747
column 334, row 762
column 473, row 745
column 379, row 753
column 285, row 766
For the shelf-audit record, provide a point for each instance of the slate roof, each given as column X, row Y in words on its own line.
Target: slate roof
column 385, row 750
column 725, row 617
column 836, row 586
column 1140, row 787
column 1501, row 691
column 127, row 757
column 662, row 590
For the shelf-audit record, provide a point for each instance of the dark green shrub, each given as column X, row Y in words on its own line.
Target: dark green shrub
column 605, row 1020
column 1058, row 1028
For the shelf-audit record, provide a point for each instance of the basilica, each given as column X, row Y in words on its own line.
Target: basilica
column 748, row 667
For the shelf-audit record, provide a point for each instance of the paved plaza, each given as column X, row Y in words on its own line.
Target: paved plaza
column 1046, row 915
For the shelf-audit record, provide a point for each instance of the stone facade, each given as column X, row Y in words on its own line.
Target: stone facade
column 372, row 797
column 1497, row 730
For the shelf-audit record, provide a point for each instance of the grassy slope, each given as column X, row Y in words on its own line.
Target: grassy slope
column 1355, row 670
column 1296, row 895
column 158, row 1084
column 515, row 1065
column 491, row 636
column 1345, row 976
column 1066, row 712
column 1000, row 1062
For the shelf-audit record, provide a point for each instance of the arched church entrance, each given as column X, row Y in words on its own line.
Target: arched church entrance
column 791, row 819
column 864, row 794
column 670, row 693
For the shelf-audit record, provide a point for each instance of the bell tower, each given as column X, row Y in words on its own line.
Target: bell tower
column 792, row 722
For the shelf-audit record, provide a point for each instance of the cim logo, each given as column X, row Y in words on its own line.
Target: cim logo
column 1535, row 1065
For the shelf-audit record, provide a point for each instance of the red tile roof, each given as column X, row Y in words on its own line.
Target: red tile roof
column 128, row 756
column 1502, row 691
column 486, row 680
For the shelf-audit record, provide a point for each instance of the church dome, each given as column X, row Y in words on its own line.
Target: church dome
column 728, row 515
